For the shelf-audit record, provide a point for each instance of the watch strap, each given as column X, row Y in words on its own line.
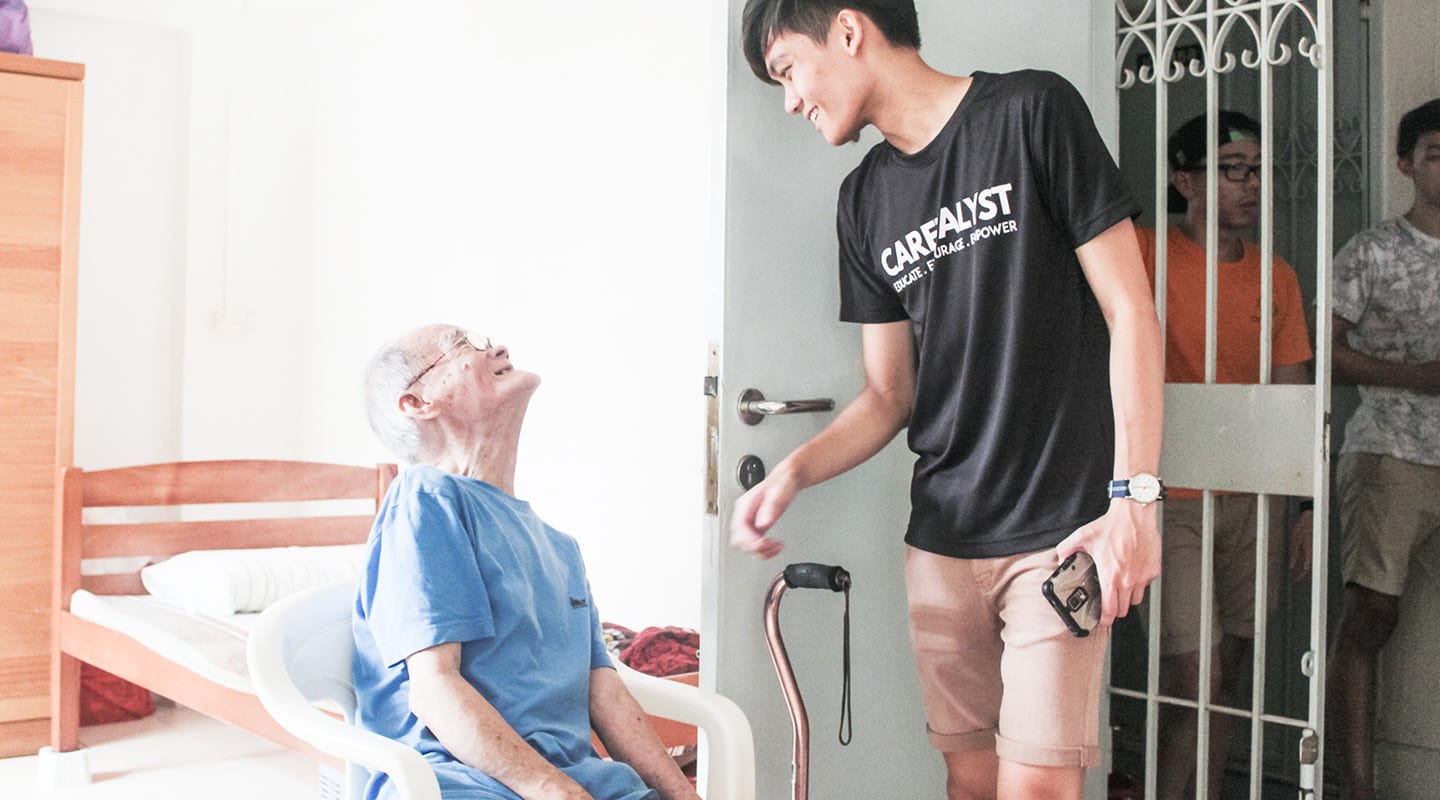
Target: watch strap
column 1121, row 488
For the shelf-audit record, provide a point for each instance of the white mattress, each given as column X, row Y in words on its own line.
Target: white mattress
column 213, row 647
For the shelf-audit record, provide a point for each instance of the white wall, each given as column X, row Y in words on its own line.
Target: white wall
column 1406, row 70
column 274, row 187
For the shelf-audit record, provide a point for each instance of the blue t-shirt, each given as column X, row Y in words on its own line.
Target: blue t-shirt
column 452, row 559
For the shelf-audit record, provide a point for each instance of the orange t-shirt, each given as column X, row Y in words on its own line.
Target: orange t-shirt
column 1237, row 315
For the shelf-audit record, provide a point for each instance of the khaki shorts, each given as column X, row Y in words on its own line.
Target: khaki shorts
column 1388, row 509
column 998, row 668
column 1233, row 601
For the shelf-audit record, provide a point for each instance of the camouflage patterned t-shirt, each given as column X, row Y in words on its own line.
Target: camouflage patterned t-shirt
column 1387, row 283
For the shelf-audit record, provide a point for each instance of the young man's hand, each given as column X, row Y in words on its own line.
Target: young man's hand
column 1301, row 538
column 757, row 510
column 1125, row 544
column 1427, row 377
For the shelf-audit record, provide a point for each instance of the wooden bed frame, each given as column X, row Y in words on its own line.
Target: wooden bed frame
column 197, row 483
column 177, row 484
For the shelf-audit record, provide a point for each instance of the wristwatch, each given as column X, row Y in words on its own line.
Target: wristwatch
column 1142, row 487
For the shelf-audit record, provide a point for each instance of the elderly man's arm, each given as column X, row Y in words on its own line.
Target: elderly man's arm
column 626, row 733
column 474, row 732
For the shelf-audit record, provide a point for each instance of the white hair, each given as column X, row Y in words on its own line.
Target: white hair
column 387, row 377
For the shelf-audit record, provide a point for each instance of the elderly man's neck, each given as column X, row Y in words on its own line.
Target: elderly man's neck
column 491, row 460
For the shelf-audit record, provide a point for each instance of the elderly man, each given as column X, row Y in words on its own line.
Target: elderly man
column 477, row 641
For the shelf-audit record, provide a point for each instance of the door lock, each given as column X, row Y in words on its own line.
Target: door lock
column 750, row 472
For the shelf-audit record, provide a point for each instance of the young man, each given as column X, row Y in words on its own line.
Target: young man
column 985, row 247
column 1387, row 342
column 1237, row 360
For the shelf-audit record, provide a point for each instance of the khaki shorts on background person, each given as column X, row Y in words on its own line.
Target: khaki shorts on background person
column 1388, row 509
column 1233, row 609
column 997, row 666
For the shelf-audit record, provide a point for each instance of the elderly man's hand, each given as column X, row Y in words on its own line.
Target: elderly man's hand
column 1125, row 544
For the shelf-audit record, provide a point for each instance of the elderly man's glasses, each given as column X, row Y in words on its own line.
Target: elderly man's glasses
column 1234, row 171
column 474, row 340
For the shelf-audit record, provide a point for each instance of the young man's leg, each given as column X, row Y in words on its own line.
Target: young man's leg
column 971, row 776
column 1012, row 698
column 1232, row 628
column 1388, row 509
column 1180, row 677
column 1367, row 623
column 956, row 639
column 1049, row 731
column 1180, row 565
column 1029, row 782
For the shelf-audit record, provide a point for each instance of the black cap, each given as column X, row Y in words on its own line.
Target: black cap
column 1187, row 145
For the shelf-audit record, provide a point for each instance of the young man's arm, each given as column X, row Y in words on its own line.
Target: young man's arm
column 1302, row 530
column 1125, row 543
column 624, row 729
column 474, row 732
column 881, row 410
column 1291, row 373
column 1348, row 365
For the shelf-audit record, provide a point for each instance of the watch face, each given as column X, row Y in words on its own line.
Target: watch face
column 1145, row 488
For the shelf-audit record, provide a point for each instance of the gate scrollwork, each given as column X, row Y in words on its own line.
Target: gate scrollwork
column 1158, row 28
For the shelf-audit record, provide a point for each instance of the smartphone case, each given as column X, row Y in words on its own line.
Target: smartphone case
column 1073, row 590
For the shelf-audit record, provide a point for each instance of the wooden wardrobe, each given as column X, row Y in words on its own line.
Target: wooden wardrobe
column 40, row 116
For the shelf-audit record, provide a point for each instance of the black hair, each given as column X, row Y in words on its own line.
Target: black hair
column 1417, row 122
column 763, row 20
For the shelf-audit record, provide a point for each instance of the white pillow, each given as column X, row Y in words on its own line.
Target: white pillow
column 225, row 582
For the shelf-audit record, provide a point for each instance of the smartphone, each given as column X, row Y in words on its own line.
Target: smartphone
column 1074, row 592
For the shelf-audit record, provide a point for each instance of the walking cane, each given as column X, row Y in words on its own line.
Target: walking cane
column 804, row 576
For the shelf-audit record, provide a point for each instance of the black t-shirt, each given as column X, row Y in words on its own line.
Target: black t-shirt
column 973, row 240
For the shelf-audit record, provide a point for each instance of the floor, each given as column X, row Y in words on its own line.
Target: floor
column 176, row 753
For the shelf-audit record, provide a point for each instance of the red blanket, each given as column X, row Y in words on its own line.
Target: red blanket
column 663, row 651
column 106, row 698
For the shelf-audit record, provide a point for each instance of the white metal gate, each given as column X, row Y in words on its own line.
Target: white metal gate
column 1265, row 439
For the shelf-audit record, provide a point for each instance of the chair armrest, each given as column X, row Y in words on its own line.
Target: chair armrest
column 730, row 766
column 271, row 651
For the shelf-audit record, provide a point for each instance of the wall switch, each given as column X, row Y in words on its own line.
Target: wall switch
column 229, row 319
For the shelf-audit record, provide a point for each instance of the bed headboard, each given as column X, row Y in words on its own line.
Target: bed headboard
column 190, row 484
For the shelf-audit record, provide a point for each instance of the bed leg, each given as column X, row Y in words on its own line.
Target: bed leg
column 65, row 704
column 56, row 771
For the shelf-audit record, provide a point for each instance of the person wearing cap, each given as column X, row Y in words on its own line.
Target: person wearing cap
column 477, row 641
column 1386, row 341
column 1237, row 360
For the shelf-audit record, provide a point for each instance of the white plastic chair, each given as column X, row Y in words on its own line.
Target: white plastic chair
column 300, row 653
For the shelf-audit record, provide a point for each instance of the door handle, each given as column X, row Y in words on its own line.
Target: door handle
column 753, row 407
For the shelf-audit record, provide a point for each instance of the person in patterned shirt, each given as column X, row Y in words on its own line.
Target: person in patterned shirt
column 1386, row 342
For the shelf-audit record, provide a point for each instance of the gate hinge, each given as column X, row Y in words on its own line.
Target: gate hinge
column 1309, row 754
column 712, row 431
